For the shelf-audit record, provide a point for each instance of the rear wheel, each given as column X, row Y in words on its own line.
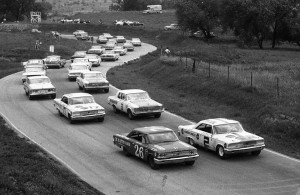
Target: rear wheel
column 152, row 163
column 191, row 142
column 157, row 115
column 115, row 109
column 30, row 97
column 70, row 118
column 59, row 112
column 101, row 119
column 125, row 151
column 256, row 153
column 221, row 153
column 190, row 163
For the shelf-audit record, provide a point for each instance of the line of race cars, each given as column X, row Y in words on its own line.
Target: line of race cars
column 155, row 144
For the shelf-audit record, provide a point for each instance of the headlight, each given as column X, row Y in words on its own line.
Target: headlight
column 51, row 89
column 161, row 155
column 260, row 142
column 76, row 113
column 235, row 145
column 101, row 111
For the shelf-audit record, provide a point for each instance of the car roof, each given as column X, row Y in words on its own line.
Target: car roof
column 35, row 66
column 91, row 71
column 153, row 129
column 79, row 64
column 71, row 95
column 218, row 121
column 135, row 38
column 53, row 56
column 37, row 77
column 129, row 91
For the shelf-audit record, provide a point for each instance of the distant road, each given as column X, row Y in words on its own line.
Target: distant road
column 87, row 149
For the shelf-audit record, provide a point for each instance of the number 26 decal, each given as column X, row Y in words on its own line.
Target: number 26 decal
column 139, row 151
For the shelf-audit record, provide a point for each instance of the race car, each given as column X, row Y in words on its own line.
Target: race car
column 157, row 145
column 224, row 136
column 54, row 61
column 33, row 62
column 79, row 106
column 135, row 102
column 92, row 80
column 75, row 69
column 39, row 86
column 120, row 50
column 94, row 59
column 129, row 46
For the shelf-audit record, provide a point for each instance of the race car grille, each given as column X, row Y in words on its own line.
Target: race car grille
column 97, row 84
column 90, row 112
column 179, row 153
column 249, row 143
column 148, row 109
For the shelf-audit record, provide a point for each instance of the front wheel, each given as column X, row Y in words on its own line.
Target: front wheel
column 256, row 153
column 106, row 90
column 115, row 109
column 221, row 153
column 125, row 151
column 53, row 96
column 157, row 115
column 191, row 142
column 190, row 163
column 130, row 115
column 152, row 163
column 101, row 119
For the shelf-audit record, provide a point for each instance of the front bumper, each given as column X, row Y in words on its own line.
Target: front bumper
column 88, row 87
column 243, row 150
column 88, row 117
column 143, row 113
column 176, row 160
column 42, row 93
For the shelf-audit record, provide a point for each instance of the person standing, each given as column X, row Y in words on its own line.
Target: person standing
column 37, row 44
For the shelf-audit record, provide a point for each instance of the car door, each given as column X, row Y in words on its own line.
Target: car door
column 79, row 80
column 199, row 130
column 64, row 104
column 138, row 147
column 207, row 136
column 120, row 103
column 26, row 86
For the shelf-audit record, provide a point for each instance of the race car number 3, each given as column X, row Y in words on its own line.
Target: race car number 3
column 139, row 151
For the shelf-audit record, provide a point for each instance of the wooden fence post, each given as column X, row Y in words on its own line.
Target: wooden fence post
column 227, row 74
column 208, row 69
column 194, row 66
column 277, row 86
column 251, row 77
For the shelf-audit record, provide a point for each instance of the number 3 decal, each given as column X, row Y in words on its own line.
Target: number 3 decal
column 139, row 151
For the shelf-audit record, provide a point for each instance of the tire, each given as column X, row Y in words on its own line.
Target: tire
column 152, row 163
column 30, row 97
column 191, row 142
column 221, row 153
column 80, row 88
column 130, row 115
column 115, row 109
column 71, row 121
column 83, row 89
column 157, row 115
column 101, row 119
column 255, row 153
column 106, row 90
column 53, row 96
column 125, row 151
column 190, row 163
column 60, row 114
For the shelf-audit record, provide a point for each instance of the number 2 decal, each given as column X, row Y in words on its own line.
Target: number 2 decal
column 139, row 151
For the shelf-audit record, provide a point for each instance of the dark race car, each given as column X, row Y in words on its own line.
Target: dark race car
column 157, row 145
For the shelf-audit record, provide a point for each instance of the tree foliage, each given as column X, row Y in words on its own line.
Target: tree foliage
column 194, row 15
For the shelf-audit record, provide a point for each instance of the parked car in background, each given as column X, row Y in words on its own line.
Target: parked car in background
column 92, row 80
column 97, row 51
column 77, row 32
column 151, row 9
column 79, row 106
column 136, row 42
column 33, row 62
column 54, row 61
column 109, row 57
column 75, row 69
column 129, row 46
column 94, row 59
column 135, row 102
column 78, row 54
column 120, row 39
column 96, row 47
column 83, row 36
column 157, row 145
column 33, row 70
column 108, row 36
column 172, row 27
column 120, row 50
column 224, row 136
column 102, row 39
column 39, row 86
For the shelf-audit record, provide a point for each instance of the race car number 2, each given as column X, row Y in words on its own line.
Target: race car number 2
column 139, row 151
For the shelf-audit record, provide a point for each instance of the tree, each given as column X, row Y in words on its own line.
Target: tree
column 194, row 15
column 43, row 7
column 20, row 8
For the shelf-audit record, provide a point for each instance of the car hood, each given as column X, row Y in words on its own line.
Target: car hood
column 41, row 86
column 96, row 80
column 85, row 107
column 145, row 103
column 93, row 59
column 237, row 137
column 171, row 146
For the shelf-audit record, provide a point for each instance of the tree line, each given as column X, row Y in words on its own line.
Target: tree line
column 250, row 20
column 18, row 10
column 138, row 5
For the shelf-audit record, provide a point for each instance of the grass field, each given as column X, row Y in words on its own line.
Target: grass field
column 24, row 167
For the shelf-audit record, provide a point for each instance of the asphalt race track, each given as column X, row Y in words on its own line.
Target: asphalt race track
column 86, row 148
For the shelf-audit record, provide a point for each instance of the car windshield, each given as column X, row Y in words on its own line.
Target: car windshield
column 228, row 128
column 52, row 58
column 79, row 53
column 162, row 137
column 92, row 56
column 78, row 67
column 93, row 75
column 118, row 47
column 39, row 80
column 34, row 69
column 138, row 96
column 81, row 100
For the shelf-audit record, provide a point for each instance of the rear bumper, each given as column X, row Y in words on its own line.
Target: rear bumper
column 96, row 87
column 176, row 160
column 243, row 150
